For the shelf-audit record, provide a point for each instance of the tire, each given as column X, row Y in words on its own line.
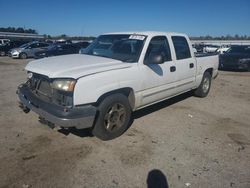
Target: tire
column 2, row 53
column 204, row 88
column 23, row 55
column 113, row 118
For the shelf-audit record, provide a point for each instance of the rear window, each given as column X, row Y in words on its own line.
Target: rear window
column 181, row 47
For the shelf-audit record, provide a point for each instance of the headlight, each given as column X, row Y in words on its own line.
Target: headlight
column 64, row 84
column 17, row 51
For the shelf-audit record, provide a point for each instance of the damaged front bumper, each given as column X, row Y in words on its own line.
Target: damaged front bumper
column 79, row 117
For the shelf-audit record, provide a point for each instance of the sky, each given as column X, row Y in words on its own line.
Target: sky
column 94, row 17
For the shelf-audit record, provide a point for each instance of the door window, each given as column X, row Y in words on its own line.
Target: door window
column 159, row 45
column 181, row 47
column 34, row 45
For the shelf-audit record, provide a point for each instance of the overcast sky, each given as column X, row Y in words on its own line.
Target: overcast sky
column 93, row 17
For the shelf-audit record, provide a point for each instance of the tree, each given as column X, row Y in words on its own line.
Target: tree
column 18, row 30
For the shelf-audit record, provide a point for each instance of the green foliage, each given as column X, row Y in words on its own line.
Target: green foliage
column 17, row 30
column 227, row 37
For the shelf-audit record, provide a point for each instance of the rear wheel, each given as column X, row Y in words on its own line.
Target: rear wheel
column 203, row 89
column 113, row 119
column 23, row 56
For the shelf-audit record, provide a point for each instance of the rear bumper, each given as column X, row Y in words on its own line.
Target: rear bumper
column 79, row 117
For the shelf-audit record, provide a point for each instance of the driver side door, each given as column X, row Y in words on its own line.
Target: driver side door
column 159, row 79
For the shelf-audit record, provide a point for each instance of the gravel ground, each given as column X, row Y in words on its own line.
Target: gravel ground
column 182, row 142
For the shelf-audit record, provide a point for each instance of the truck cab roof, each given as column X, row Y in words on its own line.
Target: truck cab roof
column 148, row 33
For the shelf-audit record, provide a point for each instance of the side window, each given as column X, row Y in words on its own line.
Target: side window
column 66, row 47
column 43, row 45
column 159, row 45
column 34, row 45
column 181, row 47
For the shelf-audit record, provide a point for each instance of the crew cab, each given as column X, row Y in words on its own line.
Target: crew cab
column 117, row 74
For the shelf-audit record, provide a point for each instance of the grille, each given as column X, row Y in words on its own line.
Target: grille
column 40, row 85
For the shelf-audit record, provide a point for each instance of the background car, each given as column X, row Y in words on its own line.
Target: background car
column 210, row 48
column 84, row 44
column 28, row 50
column 8, row 46
column 199, row 47
column 236, row 58
column 59, row 49
column 222, row 49
column 4, row 41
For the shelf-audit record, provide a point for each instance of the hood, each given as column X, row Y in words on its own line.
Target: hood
column 74, row 66
column 16, row 49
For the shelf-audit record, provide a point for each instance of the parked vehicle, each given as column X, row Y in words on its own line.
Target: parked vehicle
column 222, row 49
column 58, row 49
column 199, row 47
column 8, row 46
column 28, row 50
column 82, row 45
column 4, row 41
column 236, row 58
column 118, row 73
column 210, row 48
column 63, row 41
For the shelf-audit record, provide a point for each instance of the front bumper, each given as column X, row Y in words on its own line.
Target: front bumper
column 79, row 117
column 14, row 54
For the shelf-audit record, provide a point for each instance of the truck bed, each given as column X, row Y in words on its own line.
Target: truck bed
column 201, row 54
column 204, row 62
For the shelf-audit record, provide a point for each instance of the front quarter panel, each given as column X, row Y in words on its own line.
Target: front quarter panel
column 89, row 88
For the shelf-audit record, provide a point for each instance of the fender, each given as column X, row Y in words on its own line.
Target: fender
column 90, row 88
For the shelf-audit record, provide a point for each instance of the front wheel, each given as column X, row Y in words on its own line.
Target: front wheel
column 203, row 89
column 114, row 114
column 23, row 56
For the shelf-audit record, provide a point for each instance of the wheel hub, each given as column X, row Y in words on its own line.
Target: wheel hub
column 206, row 84
column 115, row 117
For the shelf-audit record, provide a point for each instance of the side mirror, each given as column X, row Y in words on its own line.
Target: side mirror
column 155, row 58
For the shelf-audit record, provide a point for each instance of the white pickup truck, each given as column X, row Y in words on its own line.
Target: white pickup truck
column 117, row 74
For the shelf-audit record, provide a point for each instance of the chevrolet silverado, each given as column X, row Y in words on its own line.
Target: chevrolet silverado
column 117, row 74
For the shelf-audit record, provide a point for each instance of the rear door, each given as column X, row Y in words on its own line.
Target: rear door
column 185, row 64
column 159, row 79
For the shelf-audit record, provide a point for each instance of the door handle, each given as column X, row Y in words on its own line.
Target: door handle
column 191, row 65
column 172, row 69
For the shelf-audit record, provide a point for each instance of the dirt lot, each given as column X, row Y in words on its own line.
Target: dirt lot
column 192, row 142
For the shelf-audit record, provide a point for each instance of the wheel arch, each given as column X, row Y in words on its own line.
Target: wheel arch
column 127, row 91
column 210, row 71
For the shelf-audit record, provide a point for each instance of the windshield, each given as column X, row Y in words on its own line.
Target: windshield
column 25, row 45
column 125, row 48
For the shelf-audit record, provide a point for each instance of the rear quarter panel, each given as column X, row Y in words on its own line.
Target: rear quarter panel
column 204, row 63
